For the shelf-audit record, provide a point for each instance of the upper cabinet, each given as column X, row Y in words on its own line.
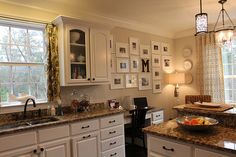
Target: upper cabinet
column 84, row 52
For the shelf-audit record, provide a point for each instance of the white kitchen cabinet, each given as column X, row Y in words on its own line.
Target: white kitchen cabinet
column 86, row 145
column 55, row 148
column 204, row 153
column 22, row 152
column 112, row 136
column 83, row 51
column 100, row 55
column 18, row 145
column 167, row 148
column 157, row 117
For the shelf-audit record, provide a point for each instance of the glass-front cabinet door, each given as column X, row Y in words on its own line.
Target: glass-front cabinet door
column 78, row 50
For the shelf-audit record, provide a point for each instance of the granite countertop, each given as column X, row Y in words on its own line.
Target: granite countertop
column 220, row 138
column 65, row 119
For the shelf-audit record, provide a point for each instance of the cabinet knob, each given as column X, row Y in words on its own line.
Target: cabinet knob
column 88, row 79
column 93, row 79
column 41, row 149
column 35, row 151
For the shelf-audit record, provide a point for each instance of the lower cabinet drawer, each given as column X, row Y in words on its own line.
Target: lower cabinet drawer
column 112, row 132
column 19, row 140
column 112, row 143
column 116, row 152
column 168, row 148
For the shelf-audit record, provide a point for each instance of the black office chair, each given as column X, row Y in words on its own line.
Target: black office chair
column 138, row 122
column 140, row 102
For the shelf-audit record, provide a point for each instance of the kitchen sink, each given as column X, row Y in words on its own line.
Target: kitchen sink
column 28, row 122
column 41, row 120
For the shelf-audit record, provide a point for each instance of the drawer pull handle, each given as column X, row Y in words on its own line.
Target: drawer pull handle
column 112, row 132
column 112, row 143
column 84, row 127
column 41, row 149
column 157, row 115
column 114, row 154
column 168, row 149
column 86, row 136
column 112, row 121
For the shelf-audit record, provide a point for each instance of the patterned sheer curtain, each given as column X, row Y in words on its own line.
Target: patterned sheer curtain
column 53, row 91
column 210, row 67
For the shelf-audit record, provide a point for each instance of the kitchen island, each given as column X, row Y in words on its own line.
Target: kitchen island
column 169, row 140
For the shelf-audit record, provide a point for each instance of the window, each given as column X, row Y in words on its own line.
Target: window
column 229, row 65
column 22, row 61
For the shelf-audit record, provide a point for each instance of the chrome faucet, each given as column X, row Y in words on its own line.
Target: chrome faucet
column 26, row 103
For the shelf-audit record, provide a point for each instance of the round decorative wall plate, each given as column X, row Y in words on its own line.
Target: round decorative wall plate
column 188, row 64
column 187, row 52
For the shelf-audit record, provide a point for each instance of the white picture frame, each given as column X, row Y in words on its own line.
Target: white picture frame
column 131, row 80
column 145, row 51
column 117, row 81
column 113, row 63
column 133, row 46
column 122, row 50
column 111, row 44
column 122, row 65
column 156, row 47
column 167, row 63
column 157, row 86
column 134, row 64
column 156, row 60
column 145, row 82
column 156, row 73
column 165, row 48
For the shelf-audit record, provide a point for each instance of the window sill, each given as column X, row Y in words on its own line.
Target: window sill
column 17, row 103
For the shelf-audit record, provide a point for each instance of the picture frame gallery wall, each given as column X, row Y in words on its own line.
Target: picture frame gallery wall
column 136, row 65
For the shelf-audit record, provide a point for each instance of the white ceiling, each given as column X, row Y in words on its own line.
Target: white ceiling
column 166, row 17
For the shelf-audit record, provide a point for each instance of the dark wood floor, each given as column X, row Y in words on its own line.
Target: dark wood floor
column 134, row 151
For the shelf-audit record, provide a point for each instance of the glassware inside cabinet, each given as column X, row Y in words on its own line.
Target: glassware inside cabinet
column 77, row 54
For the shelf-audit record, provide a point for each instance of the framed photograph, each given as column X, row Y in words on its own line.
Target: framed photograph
column 134, row 64
column 117, row 81
column 156, row 86
column 122, row 50
column 165, row 48
column 134, row 46
column 167, row 63
column 156, row 60
column 113, row 63
column 131, row 80
column 111, row 44
column 122, row 65
column 145, row 81
column 144, row 51
column 156, row 73
column 156, row 47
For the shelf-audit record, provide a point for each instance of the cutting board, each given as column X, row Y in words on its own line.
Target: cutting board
column 222, row 107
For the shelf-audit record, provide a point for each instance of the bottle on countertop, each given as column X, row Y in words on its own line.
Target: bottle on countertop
column 53, row 110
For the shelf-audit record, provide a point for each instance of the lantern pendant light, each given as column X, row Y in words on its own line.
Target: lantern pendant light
column 201, row 21
column 224, row 33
